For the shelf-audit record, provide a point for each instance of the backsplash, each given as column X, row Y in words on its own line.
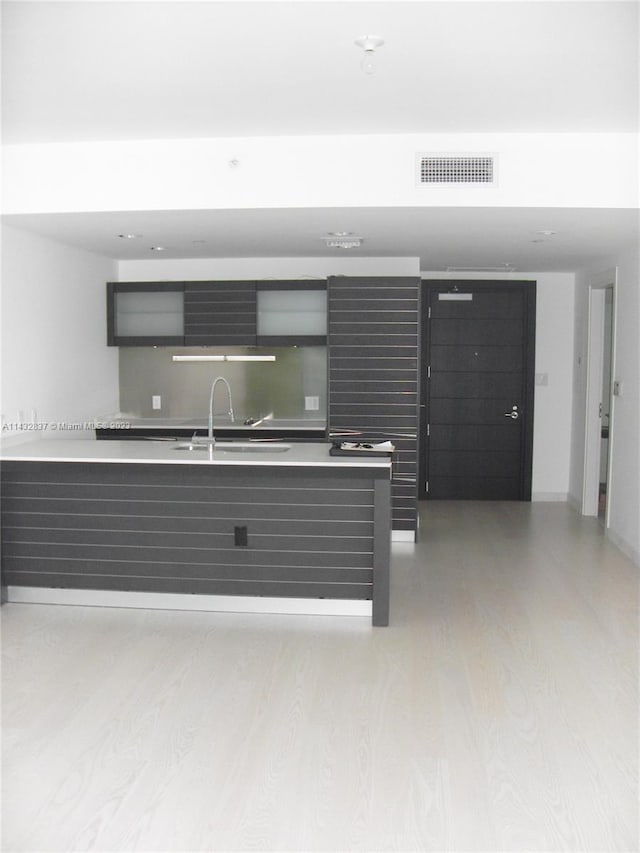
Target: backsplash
column 258, row 388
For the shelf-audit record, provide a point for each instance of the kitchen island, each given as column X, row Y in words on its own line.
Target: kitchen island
column 284, row 528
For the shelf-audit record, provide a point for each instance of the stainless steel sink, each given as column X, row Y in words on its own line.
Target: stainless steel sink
column 235, row 447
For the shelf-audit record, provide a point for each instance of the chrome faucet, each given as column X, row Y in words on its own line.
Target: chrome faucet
column 210, row 438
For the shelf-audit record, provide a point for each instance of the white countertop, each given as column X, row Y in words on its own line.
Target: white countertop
column 300, row 454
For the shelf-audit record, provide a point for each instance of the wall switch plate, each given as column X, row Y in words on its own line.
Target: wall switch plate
column 311, row 404
column 156, row 401
column 542, row 378
column 617, row 388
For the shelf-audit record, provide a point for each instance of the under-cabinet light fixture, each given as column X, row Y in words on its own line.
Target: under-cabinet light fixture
column 249, row 358
column 223, row 358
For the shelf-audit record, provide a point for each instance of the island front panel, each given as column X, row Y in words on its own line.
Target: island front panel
column 295, row 532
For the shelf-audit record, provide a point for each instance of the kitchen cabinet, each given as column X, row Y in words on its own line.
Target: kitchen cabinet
column 145, row 314
column 220, row 313
column 217, row 313
column 373, row 375
column 292, row 313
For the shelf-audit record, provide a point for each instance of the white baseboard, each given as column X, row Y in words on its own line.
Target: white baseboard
column 178, row 601
column 627, row 549
column 553, row 497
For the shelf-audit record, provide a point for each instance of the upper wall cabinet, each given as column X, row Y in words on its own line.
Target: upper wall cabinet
column 220, row 313
column 217, row 313
column 292, row 313
column 149, row 314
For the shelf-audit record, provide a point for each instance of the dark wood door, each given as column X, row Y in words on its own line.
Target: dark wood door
column 478, row 383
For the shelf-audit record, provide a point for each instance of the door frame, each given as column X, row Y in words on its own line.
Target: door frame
column 500, row 285
column 598, row 285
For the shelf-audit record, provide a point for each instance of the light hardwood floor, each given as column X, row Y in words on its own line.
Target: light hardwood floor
column 498, row 712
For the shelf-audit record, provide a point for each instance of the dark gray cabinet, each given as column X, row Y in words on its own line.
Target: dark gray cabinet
column 220, row 313
column 172, row 529
column 217, row 313
column 373, row 347
column 145, row 314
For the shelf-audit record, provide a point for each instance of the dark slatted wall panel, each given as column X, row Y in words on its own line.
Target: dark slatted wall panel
column 170, row 528
column 373, row 374
column 220, row 313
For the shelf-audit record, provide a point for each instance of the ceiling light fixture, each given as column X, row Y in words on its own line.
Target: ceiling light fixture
column 339, row 233
column 130, row 236
column 343, row 242
column 369, row 44
column 157, row 248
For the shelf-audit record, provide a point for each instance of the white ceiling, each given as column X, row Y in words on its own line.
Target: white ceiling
column 84, row 70
column 439, row 236
column 136, row 70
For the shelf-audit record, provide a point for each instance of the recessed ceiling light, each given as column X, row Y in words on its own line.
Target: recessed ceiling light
column 157, row 248
column 547, row 233
column 130, row 236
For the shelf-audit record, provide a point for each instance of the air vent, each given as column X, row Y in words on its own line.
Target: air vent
column 454, row 169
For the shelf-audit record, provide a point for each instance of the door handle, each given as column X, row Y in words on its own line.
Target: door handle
column 514, row 413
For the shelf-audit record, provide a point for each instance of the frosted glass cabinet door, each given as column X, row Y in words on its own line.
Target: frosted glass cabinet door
column 145, row 315
column 290, row 312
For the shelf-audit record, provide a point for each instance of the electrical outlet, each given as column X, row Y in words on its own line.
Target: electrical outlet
column 311, row 404
column 240, row 537
column 156, row 401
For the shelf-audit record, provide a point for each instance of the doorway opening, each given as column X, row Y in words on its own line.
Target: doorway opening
column 601, row 391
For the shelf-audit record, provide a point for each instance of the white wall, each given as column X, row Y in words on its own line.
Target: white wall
column 534, row 170
column 554, row 356
column 55, row 361
column 195, row 269
column 624, row 487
